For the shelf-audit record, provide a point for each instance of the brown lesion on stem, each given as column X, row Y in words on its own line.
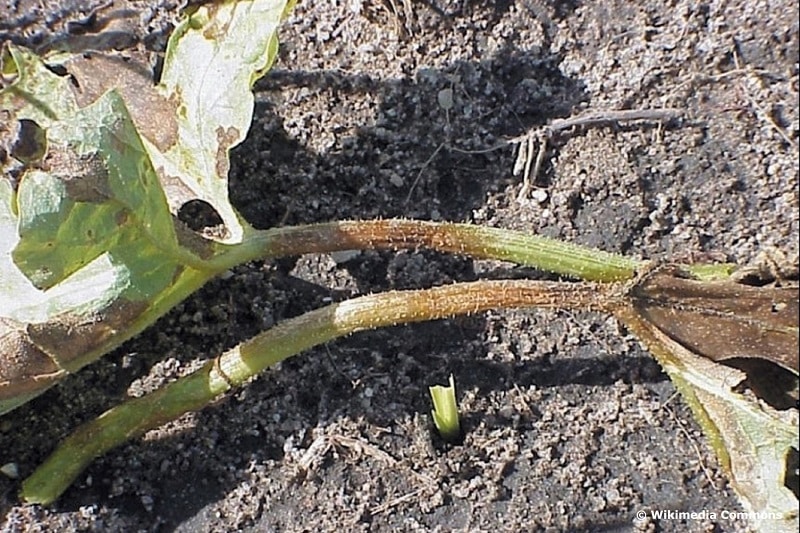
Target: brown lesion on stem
column 376, row 234
column 396, row 307
column 393, row 308
column 478, row 242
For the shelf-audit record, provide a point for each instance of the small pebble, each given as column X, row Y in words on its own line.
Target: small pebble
column 10, row 470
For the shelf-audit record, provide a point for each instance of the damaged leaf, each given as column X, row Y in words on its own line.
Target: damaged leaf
column 91, row 254
column 88, row 251
column 212, row 60
column 692, row 327
column 96, row 73
column 98, row 194
column 722, row 320
column 91, row 250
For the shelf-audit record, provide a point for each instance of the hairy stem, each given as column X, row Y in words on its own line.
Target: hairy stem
column 288, row 338
column 464, row 239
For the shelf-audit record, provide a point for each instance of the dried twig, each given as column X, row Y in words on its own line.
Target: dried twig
column 541, row 136
column 528, row 166
column 605, row 117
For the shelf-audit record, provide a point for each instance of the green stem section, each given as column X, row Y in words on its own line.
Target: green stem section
column 288, row 338
column 464, row 239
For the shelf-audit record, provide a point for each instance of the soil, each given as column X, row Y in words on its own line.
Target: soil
column 389, row 108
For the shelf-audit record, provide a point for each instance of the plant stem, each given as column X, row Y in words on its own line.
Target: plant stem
column 288, row 338
column 465, row 239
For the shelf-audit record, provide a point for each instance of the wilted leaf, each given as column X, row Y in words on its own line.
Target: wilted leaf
column 722, row 320
column 26, row 369
column 688, row 325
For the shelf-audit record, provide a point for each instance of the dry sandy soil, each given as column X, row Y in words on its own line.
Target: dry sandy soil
column 570, row 424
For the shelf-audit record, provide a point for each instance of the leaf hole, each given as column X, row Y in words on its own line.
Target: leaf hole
column 770, row 382
column 199, row 215
column 58, row 70
column 31, row 142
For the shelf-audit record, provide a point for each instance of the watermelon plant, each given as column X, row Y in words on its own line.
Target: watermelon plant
column 98, row 160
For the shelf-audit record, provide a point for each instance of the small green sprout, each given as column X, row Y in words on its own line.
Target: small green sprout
column 445, row 411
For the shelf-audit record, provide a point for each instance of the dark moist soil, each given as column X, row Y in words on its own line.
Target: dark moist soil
column 569, row 423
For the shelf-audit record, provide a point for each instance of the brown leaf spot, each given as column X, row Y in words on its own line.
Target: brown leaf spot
column 226, row 139
column 215, row 29
column 85, row 177
column 153, row 114
column 69, row 338
column 121, row 218
column 175, row 189
column 24, row 368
